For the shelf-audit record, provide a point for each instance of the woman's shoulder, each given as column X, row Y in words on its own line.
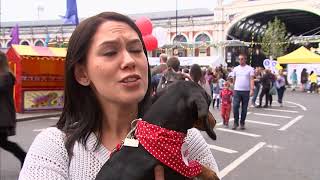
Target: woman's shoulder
column 51, row 138
column 52, row 132
column 47, row 157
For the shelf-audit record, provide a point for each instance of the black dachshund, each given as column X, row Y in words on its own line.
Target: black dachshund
column 184, row 105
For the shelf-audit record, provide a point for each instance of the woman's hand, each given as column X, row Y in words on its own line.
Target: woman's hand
column 158, row 173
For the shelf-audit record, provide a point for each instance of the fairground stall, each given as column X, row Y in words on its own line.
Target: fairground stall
column 299, row 59
column 39, row 75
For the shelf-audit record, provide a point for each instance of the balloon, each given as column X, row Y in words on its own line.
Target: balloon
column 161, row 35
column 150, row 41
column 266, row 63
column 145, row 25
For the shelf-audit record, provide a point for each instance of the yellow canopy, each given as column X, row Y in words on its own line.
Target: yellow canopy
column 300, row 56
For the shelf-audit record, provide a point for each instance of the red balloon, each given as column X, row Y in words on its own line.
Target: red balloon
column 145, row 25
column 151, row 42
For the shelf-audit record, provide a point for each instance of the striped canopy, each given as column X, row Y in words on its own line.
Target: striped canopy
column 24, row 50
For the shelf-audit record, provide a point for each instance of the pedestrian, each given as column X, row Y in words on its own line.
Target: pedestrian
column 209, row 77
column 198, row 76
column 313, row 78
column 171, row 74
column 281, row 87
column 304, row 80
column 294, row 79
column 7, row 111
column 226, row 100
column 266, row 83
column 273, row 88
column 163, row 64
column 107, row 86
column 257, row 85
column 155, row 78
column 243, row 89
column 215, row 88
column 231, row 84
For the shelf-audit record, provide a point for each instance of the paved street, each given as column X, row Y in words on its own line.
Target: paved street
column 279, row 143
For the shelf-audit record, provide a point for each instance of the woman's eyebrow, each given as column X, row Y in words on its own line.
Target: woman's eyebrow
column 134, row 42
column 109, row 43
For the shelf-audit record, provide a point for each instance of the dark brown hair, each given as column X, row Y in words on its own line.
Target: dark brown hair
column 174, row 63
column 195, row 73
column 82, row 113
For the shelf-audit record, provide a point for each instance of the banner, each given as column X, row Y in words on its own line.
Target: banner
column 43, row 100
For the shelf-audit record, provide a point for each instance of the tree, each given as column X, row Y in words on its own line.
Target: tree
column 274, row 40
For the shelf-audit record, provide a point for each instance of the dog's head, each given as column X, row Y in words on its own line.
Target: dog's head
column 183, row 105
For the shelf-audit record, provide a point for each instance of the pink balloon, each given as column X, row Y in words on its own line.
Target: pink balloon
column 145, row 25
column 151, row 42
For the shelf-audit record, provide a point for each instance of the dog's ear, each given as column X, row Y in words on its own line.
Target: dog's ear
column 199, row 102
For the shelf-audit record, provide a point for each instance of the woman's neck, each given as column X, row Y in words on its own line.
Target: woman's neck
column 117, row 123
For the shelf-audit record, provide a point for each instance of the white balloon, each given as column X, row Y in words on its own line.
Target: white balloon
column 161, row 35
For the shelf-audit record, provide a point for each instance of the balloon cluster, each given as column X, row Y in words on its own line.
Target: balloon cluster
column 145, row 26
column 273, row 65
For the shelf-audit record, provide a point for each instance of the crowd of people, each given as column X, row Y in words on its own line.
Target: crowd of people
column 230, row 88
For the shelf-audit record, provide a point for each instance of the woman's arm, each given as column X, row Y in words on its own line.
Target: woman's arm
column 47, row 157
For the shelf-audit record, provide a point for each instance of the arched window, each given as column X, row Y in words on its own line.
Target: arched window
column 202, row 51
column 180, row 38
column 202, row 38
column 39, row 43
column 25, row 43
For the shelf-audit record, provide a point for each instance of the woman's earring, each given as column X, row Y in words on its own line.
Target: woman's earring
column 86, row 82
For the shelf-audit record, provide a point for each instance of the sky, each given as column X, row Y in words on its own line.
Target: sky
column 31, row 10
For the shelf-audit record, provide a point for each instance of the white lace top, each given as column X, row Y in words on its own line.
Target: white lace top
column 47, row 157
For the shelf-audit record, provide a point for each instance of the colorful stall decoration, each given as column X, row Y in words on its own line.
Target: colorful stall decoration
column 39, row 100
column 39, row 75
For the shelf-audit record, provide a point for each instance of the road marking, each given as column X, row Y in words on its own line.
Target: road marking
column 301, row 106
column 291, row 123
column 39, row 130
column 238, row 132
column 272, row 115
column 241, row 159
column 281, row 110
column 218, row 148
column 263, row 123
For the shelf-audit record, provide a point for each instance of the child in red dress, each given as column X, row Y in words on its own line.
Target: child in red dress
column 226, row 99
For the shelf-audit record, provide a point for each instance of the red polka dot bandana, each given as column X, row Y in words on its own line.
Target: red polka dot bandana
column 168, row 147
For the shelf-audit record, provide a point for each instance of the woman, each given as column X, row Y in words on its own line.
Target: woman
column 198, row 76
column 107, row 85
column 257, row 84
column 304, row 80
column 313, row 78
column 266, row 83
column 281, row 87
column 7, row 110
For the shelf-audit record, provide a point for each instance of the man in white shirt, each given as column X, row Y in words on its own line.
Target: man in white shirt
column 243, row 89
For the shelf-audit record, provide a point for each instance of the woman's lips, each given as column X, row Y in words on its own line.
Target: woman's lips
column 131, row 81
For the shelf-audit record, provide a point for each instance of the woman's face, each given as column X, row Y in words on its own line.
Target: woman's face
column 116, row 64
